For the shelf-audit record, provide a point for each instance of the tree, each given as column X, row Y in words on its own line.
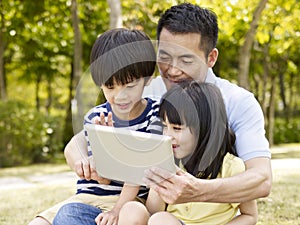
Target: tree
column 2, row 47
column 115, row 14
column 245, row 49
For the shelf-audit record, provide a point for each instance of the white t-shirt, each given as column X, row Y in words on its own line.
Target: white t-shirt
column 244, row 114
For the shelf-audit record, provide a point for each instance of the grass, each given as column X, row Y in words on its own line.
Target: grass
column 282, row 206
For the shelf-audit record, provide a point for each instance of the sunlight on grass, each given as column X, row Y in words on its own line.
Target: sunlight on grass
column 38, row 169
column 282, row 206
column 20, row 206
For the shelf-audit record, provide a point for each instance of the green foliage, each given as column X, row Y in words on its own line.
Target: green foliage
column 287, row 132
column 38, row 40
column 27, row 136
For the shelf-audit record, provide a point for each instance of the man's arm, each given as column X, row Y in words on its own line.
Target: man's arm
column 254, row 183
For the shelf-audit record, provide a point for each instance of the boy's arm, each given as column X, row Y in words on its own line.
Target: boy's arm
column 154, row 202
column 128, row 193
column 248, row 214
column 77, row 158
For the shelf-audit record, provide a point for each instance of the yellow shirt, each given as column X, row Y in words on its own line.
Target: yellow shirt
column 206, row 212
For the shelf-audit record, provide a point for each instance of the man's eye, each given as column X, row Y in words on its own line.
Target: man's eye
column 187, row 61
column 164, row 58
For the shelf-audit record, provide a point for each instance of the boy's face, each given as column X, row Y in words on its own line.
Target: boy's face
column 183, row 140
column 179, row 58
column 125, row 99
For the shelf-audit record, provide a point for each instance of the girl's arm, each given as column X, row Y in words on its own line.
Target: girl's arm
column 154, row 202
column 248, row 214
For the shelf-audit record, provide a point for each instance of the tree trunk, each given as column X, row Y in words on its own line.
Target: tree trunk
column 37, row 91
column 49, row 97
column 245, row 49
column 272, row 112
column 2, row 47
column 76, row 72
column 115, row 14
column 265, row 76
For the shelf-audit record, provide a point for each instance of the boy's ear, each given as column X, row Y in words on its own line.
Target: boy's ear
column 149, row 81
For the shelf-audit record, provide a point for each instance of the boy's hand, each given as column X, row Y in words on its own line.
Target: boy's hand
column 107, row 218
column 85, row 169
column 101, row 120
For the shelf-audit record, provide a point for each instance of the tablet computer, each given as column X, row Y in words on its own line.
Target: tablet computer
column 123, row 155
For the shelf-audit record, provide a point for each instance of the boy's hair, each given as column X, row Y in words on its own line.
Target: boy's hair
column 121, row 56
column 188, row 18
column 200, row 107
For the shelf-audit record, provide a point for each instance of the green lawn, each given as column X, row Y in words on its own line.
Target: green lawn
column 19, row 206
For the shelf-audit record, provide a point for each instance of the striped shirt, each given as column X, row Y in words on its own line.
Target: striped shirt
column 147, row 122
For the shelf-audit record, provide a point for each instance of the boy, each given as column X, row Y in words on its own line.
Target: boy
column 122, row 63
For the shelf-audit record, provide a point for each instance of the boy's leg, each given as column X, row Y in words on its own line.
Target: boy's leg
column 46, row 217
column 76, row 214
column 39, row 221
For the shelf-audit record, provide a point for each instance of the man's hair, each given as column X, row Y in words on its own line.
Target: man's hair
column 121, row 56
column 188, row 18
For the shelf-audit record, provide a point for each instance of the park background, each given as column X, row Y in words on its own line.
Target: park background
column 44, row 53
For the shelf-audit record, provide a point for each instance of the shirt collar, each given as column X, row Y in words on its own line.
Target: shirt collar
column 210, row 77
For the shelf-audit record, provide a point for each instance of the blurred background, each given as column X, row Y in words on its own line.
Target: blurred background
column 45, row 47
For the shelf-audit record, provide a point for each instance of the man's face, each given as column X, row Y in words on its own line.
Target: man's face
column 179, row 58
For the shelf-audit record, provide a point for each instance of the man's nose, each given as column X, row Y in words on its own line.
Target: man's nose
column 173, row 70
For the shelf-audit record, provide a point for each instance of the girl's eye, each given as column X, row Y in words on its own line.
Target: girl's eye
column 110, row 87
column 177, row 128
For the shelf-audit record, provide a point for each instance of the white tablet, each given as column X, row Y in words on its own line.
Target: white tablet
column 123, row 155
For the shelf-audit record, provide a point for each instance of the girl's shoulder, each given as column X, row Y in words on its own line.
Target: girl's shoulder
column 232, row 165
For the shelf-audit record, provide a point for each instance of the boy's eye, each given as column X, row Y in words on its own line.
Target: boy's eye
column 131, row 86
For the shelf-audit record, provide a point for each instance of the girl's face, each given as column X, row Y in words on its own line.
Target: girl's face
column 183, row 140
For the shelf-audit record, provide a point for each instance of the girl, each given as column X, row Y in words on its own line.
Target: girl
column 194, row 115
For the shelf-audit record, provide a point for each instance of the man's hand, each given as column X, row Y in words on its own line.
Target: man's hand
column 172, row 188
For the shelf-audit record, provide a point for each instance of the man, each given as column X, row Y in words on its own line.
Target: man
column 187, row 37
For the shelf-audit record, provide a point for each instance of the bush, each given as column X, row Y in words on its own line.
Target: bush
column 287, row 132
column 27, row 136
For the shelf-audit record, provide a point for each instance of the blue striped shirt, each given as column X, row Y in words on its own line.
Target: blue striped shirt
column 147, row 122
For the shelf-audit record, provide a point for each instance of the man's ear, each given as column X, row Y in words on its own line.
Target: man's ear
column 212, row 57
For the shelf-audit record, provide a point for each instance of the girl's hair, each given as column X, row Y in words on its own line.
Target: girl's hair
column 121, row 55
column 200, row 107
